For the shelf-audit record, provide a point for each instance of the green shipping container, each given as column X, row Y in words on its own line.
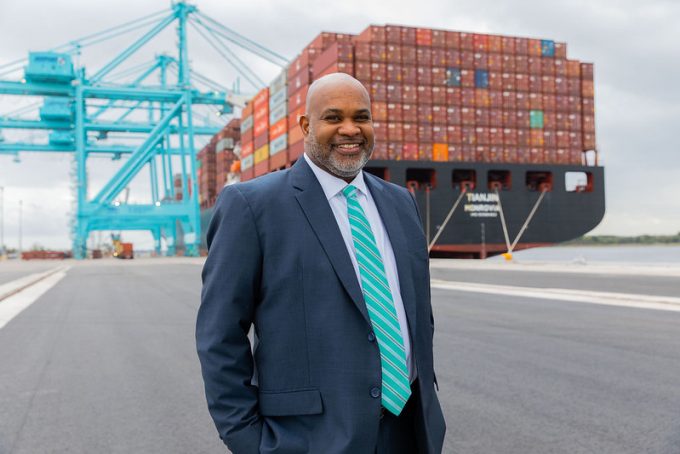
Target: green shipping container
column 536, row 119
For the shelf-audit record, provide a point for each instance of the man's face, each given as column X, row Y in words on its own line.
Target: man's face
column 338, row 128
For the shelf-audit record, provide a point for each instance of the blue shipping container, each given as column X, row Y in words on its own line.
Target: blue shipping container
column 278, row 113
column 547, row 48
column 279, row 144
column 278, row 98
column 481, row 78
column 453, row 77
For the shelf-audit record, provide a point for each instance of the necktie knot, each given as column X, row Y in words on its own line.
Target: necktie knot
column 350, row 191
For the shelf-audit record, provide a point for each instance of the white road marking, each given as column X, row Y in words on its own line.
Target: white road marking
column 13, row 305
column 665, row 303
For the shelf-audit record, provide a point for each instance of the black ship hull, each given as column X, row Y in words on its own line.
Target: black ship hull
column 490, row 195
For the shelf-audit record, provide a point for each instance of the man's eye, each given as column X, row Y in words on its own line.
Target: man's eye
column 363, row 118
column 332, row 118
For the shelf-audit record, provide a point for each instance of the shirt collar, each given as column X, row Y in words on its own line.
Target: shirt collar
column 333, row 185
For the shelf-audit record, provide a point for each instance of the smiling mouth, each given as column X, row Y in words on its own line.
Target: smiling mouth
column 348, row 148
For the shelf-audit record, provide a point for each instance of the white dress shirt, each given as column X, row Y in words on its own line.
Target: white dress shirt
column 332, row 187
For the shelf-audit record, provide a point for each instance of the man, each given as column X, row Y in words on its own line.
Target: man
column 330, row 266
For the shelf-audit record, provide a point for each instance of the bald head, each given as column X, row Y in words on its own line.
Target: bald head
column 332, row 83
column 337, row 125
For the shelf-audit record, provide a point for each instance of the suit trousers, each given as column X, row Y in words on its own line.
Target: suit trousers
column 398, row 434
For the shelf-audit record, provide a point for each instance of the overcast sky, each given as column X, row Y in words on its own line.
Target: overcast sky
column 633, row 45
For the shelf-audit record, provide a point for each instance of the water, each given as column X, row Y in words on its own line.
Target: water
column 601, row 254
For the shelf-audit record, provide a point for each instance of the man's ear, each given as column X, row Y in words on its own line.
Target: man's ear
column 303, row 121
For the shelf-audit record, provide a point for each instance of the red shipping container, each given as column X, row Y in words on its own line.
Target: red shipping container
column 535, row 66
column 523, row 137
column 261, row 140
column 438, row 38
column 438, row 95
column 560, row 50
column 362, row 71
column 455, row 152
column 452, row 39
column 362, row 52
column 467, row 116
column 337, row 52
column 409, row 112
column 424, row 113
column 496, row 118
column 588, row 141
column 379, row 111
column 394, row 112
column 378, row 72
column 549, row 120
column 535, row 84
column 522, row 117
column 467, row 97
column 453, row 96
column 575, row 157
column 378, row 52
column 522, row 64
column 495, row 136
column 548, row 83
column 560, row 67
column 294, row 135
column 439, row 76
column 587, row 72
column 587, row 88
column 380, row 152
column 295, row 150
column 410, row 132
column 535, row 47
column 588, row 106
column 279, row 160
column 279, row 128
column 536, row 137
column 294, row 117
column 425, row 132
column 394, row 73
column 508, row 64
column 575, row 140
column 467, row 59
column 574, row 103
column 339, row 67
column 408, row 36
column 261, row 126
column 409, row 151
column 508, row 81
column 482, row 117
column 372, row 33
column 522, row 101
column 522, row 46
column 424, row 36
column 562, row 139
column 439, row 116
column 481, row 60
column 380, row 131
column 482, row 153
column 409, row 74
column 509, row 100
column 561, row 103
column 395, row 132
column 408, row 55
column 588, row 123
column 573, row 68
column 439, row 133
column 303, row 62
column 535, row 101
column 508, row 45
column 547, row 66
column 480, row 42
column 509, row 118
column 394, row 93
column 549, row 139
column 297, row 99
column 574, row 121
column 495, row 62
column 561, row 86
column 453, row 58
column 424, row 94
column 425, row 151
column 495, row 80
column 439, row 57
column 574, row 86
column 394, row 53
column 549, row 102
column 496, row 99
column 247, row 149
column 532, row 155
column 467, row 41
column 393, row 34
column 468, row 153
column 521, row 82
column 453, row 115
column 482, row 98
column 424, row 56
column 424, row 75
column 454, row 134
column 510, row 154
column 322, row 41
column 495, row 44
column 468, row 135
column 378, row 91
column 510, row 137
column 409, row 93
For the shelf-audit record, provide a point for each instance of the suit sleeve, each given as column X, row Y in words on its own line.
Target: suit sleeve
column 231, row 279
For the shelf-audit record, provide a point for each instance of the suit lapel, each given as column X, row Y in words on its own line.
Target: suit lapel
column 388, row 212
column 313, row 202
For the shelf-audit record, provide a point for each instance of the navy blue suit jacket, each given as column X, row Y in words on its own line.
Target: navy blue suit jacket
column 277, row 260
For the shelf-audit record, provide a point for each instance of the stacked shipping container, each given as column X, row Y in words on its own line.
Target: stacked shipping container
column 443, row 96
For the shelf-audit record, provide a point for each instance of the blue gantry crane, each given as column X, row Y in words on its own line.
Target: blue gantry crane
column 149, row 124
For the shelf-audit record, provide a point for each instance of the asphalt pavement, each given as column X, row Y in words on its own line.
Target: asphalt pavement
column 105, row 362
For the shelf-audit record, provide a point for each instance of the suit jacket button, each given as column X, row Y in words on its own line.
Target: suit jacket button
column 375, row 392
column 371, row 337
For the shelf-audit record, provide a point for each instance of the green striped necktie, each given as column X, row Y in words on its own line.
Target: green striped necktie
column 395, row 382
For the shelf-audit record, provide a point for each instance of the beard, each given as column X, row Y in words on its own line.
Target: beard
column 336, row 164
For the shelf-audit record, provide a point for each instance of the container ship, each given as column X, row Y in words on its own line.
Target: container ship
column 494, row 135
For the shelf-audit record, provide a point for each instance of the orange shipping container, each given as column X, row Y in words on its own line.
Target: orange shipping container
column 440, row 152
